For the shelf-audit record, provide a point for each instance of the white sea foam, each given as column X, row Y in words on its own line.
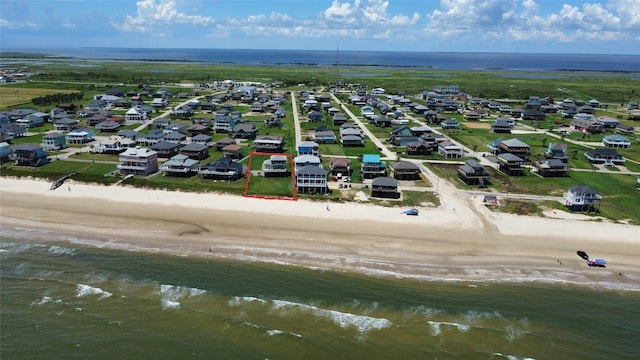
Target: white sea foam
column 436, row 326
column 280, row 332
column 239, row 300
column 59, row 250
column 83, row 290
column 512, row 357
column 361, row 322
column 172, row 295
column 45, row 300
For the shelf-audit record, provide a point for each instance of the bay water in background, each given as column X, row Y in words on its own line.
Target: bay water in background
column 66, row 301
column 425, row 60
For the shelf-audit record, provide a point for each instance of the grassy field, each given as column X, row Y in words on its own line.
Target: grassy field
column 12, row 96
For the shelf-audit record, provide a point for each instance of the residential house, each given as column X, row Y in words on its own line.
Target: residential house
column 136, row 114
column 608, row 157
column 471, row 115
column 29, row 155
column 308, row 148
column 324, row 137
column 108, row 126
column 151, row 138
column 381, row 121
column 245, row 131
column 31, row 121
column 311, row 179
column 174, row 127
column 160, row 123
column 450, row 124
column 533, row 114
column 616, row 141
column 405, row 170
column 420, row 130
column 80, row 136
column 502, row 125
column 165, row 149
column 180, row 165
column 65, row 124
column 223, row 169
column 54, row 141
column 195, row 151
column 494, row 146
column 224, row 123
column 551, row 168
column 276, row 165
column 202, row 139
column 385, row 187
column 223, row 142
column 625, row 129
column 5, row 152
column 232, row 151
column 557, row 151
column 340, row 166
column 268, row 144
column 511, row 164
column 585, row 126
column 113, row 145
column 582, row 198
column 419, row 147
column 516, row 147
column 607, row 122
column 473, row 173
column 175, row 137
column 306, row 160
column 13, row 131
column 339, row 119
column 183, row 112
column 372, row 167
column 351, row 137
column 198, row 129
column 402, row 135
column 449, row 150
column 138, row 161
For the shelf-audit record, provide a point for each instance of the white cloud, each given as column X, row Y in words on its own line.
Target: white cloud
column 14, row 25
column 68, row 24
column 152, row 14
column 524, row 21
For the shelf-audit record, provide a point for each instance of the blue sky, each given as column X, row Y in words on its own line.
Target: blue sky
column 534, row 26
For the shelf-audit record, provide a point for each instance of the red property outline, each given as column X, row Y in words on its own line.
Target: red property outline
column 293, row 180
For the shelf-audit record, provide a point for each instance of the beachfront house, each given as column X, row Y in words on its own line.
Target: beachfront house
column 511, row 164
column 311, row 179
column 29, row 155
column 180, row 165
column 472, row 173
column 551, row 168
column 223, row 169
column 385, row 187
column 113, row 145
column 582, row 198
column 306, row 160
column 138, row 161
column 276, row 165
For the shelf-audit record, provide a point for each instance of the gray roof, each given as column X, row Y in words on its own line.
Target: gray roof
column 384, row 181
column 311, row 170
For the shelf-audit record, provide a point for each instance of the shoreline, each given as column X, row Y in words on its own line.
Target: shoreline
column 461, row 240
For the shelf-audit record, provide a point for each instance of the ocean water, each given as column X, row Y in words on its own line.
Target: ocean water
column 515, row 62
column 63, row 300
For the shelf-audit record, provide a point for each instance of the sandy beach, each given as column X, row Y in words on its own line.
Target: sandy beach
column 460, row 240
